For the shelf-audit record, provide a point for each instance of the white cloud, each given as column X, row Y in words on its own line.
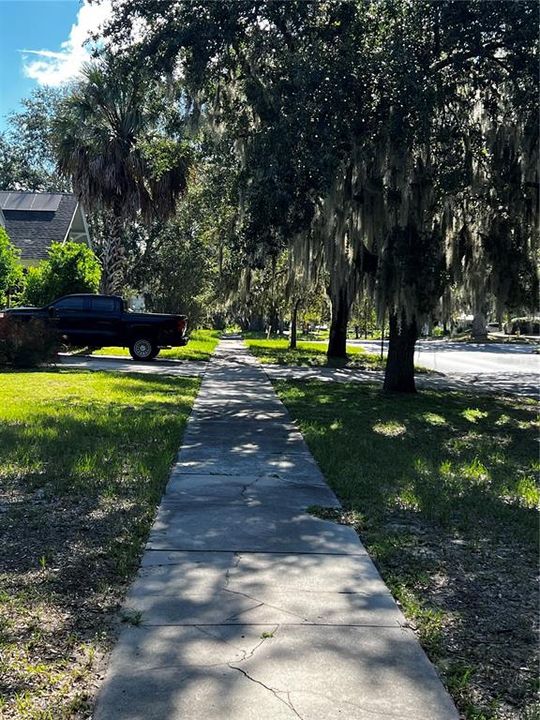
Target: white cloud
column 49, row 67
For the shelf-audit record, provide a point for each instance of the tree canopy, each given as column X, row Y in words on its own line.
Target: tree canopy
column 393, row 142
column 384, row 148
column 27, row 159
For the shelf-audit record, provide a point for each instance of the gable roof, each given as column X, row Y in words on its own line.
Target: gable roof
column 35, row 220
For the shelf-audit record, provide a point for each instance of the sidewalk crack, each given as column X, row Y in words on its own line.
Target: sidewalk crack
column 262, row 602
column 207, row 632
column 248, row 485
column 237, row 559
column 275, row 692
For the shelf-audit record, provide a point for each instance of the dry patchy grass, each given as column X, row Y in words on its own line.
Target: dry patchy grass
column 84, row 458
column 443, row 490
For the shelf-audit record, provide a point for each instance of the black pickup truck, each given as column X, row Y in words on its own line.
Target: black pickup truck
column 97, row 321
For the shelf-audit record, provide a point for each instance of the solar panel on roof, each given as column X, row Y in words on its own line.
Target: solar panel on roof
column 37, row 202
column 3, row 198
column 46, row 201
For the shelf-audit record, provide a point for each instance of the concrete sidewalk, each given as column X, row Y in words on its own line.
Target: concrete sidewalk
column 250, row 608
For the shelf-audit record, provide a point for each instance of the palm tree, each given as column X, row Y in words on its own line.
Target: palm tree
column 110, row 143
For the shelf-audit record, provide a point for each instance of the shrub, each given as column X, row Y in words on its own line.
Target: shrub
column 70, row 268
column 10, row 268
column 26, row 343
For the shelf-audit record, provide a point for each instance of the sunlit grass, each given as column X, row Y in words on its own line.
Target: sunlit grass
column 201, row 345
column 277, row 351
column 391, row 428
column 84, row 458
column 92, row 431
column 313, row 354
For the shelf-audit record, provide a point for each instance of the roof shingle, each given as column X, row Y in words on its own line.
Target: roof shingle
column 33, row 231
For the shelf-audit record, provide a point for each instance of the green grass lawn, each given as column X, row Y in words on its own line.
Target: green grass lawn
column 277, row 351
column 442, row 488
column 84, row 458
column 201, row 345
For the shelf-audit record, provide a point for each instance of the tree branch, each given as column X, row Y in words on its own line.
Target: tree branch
column 465, row 56
column 366, row 261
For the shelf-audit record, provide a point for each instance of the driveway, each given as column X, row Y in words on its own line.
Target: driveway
column 114, row 363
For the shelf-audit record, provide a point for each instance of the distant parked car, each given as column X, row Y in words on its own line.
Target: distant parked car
column 523, row 326
column 104, row 320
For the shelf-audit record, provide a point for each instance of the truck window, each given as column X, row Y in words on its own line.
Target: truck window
column 70, row 303
column 103, row 304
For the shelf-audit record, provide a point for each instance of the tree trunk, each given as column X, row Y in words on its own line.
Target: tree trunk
column 399, row 375
column 294, row 321
column 273, row 321
column 382, row 334
column 341, row 307
column 367, row 313
column 113, row 259
column 480, row 311
column 256, row 323
column 479, row 326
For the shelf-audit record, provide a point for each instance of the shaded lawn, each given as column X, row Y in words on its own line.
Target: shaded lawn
column 276, row 351
column 442, row 488
column 84, row 458
column 201, row 345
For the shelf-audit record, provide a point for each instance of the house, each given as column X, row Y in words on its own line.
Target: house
column 34, row 220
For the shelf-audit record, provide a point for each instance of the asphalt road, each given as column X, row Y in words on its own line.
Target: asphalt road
column 471, row 358
column 497, row 367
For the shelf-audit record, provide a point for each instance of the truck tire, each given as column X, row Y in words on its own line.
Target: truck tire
column 155, row 352
column 142, row 349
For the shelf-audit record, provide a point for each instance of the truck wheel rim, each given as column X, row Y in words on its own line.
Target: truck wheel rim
column 143, row 348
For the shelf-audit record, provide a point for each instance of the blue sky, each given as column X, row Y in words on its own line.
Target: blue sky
column 41, row 43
